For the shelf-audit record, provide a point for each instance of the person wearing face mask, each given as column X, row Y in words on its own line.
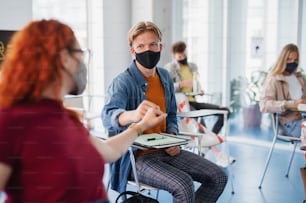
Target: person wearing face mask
column 182, row 73
column 285, row 89
column 141, row 86
column 46, row 153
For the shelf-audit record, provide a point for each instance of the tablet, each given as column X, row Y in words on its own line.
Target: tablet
column 160, row 140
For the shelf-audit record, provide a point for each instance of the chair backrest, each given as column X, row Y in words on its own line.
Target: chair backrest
column 77, row 104
column 193, row 127
column 185, row 124
column 182, row 102
column 74, row 101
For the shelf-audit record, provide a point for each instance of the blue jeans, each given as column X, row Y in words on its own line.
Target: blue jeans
column 293, row 128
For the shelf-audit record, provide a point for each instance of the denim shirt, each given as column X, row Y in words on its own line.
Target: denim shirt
column 125, row 93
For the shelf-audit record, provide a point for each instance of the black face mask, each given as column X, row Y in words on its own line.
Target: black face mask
column 291, row 67
column 148, row 59
column 183, row 62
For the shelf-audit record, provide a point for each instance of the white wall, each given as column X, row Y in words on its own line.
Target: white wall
column 14, row 14
column 160, row 13
column 237, row 15
column 118, row 17
column 287, row 22
column 303, row 39
column 216, row 42
column 116, row 23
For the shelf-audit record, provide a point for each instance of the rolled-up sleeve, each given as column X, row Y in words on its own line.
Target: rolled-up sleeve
column 114, row 106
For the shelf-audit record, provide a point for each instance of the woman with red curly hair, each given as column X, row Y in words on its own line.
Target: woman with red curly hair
column 46, row 154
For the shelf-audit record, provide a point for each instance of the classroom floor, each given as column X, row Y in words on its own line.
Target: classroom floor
column 250, row 147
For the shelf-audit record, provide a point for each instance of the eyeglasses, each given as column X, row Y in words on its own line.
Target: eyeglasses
column 86, row 54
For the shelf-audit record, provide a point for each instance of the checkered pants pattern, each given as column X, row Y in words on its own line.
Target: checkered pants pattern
column 176, row 174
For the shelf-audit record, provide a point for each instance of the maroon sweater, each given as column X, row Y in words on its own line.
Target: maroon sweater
column 51, row 155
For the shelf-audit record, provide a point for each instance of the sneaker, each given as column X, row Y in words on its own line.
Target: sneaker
column 303, row 142
column 224, row 160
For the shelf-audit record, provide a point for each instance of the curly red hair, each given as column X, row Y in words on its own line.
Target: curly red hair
column 33, row 61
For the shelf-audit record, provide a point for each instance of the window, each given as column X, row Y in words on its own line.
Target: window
column 86, row 20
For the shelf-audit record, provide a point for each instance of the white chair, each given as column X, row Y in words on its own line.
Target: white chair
column 140, row 187
column 190, row 125
column 278, row 135
column 202, row 139
column 77, row 103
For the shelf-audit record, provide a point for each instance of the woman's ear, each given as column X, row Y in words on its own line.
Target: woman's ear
column 65, row 59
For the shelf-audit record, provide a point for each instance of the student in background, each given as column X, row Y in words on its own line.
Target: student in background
column 285, row 89
column 46, row 153
column 182, row 73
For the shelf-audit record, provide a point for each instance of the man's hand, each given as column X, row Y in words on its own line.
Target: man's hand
column 142, row 109
column 186, row 83
column 152, row 117
column 172, row 151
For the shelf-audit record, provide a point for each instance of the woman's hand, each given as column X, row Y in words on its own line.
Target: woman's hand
column 5, row 173
column 299, row 101
column 298, row 116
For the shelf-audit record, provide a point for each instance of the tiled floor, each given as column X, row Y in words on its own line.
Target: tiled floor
column 250, row 147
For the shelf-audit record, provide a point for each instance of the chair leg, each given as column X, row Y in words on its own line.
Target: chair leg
column 268, row 161
column 133, row 163
column 291, row 159
column 199, row 145
column 230, row 172
column 230, row 179
column 157, row 194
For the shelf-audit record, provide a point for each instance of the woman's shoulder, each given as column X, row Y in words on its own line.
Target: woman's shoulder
column 30, row 110
column 274, row 78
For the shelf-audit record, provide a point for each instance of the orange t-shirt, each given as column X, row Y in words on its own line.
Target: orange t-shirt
column 155, row 93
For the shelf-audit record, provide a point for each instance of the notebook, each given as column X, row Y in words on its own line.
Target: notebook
column 160, row 140
column 301, row 107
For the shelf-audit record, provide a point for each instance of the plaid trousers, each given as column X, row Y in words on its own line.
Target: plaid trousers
column 176, row 174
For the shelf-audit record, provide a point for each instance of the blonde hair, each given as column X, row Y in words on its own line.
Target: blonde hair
column 281, row 62
column 142, row 27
